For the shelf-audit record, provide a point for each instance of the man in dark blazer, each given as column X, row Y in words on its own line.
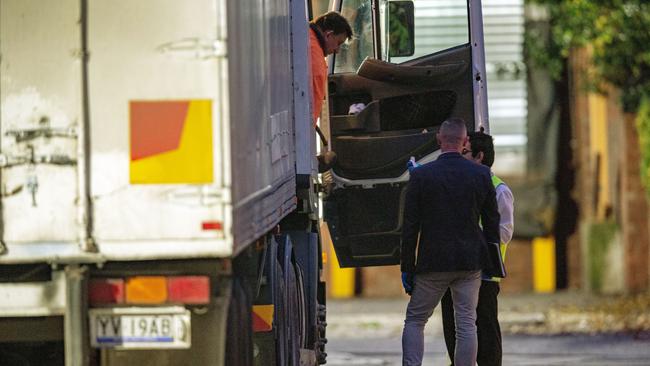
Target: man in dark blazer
column 450, row 215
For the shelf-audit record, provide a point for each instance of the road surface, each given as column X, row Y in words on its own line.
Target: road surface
column 518, row 350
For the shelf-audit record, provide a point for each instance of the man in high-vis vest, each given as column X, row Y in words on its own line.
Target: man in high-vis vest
column 480, row 149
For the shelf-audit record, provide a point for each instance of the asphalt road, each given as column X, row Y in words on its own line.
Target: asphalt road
column 518, row 350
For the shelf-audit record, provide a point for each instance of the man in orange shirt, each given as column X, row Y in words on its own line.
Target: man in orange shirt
column 328, row 32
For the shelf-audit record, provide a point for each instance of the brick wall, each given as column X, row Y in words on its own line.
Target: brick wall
column 629, row 204
column 382, row 282
column 386, row 281
column 519, row 264
column 634, row 213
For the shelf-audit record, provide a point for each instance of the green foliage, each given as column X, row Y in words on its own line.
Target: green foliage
column 601, row 236
column 618, row 31
column 643, row 128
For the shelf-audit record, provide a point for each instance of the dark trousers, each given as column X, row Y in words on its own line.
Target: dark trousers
column 487, row 324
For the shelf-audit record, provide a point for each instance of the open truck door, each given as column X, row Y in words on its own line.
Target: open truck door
column 409, row 67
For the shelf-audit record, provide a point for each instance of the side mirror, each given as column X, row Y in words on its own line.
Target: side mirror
column 401, row 25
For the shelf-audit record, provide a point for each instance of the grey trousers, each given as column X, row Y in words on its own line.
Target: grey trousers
column 427, row 292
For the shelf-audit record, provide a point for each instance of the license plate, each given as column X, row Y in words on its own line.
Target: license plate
column 141, row 328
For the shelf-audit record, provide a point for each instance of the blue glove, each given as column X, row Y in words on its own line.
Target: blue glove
column 408, row 281
column 411, row 164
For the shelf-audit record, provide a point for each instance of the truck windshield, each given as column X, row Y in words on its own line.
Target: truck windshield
column 359, row 14
column 439, row 25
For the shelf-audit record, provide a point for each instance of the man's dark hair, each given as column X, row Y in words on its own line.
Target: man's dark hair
column 334, row 22
column 482, row 142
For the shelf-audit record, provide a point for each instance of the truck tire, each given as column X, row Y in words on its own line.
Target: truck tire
column 293, row 317
column 280, row 318
column 302, row 306
column 321, row 355
column 239, row 332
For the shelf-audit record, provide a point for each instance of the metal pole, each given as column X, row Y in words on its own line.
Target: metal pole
column 87, row 242
column 76, row 322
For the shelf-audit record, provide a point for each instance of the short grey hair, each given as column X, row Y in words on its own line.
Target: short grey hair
column 453, row 131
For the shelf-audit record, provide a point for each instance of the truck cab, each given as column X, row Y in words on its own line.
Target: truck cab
column 409, row 67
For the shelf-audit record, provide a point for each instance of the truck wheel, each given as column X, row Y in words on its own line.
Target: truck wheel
column 321, row 355
column 239, row 332
column 293, row 303
column 293, row 317
column 302, row 305
column 280, row 318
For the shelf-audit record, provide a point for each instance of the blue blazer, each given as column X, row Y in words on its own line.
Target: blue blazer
column 443, row 204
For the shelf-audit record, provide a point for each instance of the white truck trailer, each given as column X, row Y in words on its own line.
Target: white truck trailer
column 157, row 172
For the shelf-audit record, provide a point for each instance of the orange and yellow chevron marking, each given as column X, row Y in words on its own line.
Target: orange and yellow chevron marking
column 263, row 318
column 171, row 142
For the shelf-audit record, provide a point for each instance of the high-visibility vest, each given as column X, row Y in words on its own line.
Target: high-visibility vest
column 496, row 181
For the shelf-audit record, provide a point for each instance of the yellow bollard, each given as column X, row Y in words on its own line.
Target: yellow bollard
column 341, row 280
column 544, row 264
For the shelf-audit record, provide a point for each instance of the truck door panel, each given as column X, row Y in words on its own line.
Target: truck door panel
column 155, row 104
column 41, row 99
column 405, row 104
